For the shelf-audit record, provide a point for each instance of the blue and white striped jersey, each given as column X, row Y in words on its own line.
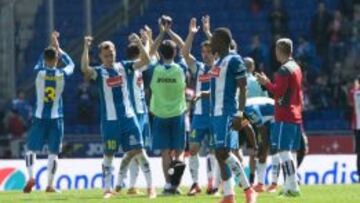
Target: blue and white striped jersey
column 49, row 84
column 136, row 88
column 113, row 84
column 202, row 77
column 225, row 73
column 259, row 110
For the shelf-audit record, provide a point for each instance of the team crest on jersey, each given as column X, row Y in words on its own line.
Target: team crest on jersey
column 114, row 81
column 204, row 78
column 215, row 71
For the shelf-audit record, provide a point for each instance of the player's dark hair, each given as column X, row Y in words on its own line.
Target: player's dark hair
column 49, row 54
column 167, row 49
column 206, row 43
column 233, row 45
column 225, row 34
column 132, row 51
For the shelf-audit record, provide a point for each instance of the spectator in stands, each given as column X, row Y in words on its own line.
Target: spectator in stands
column 257, row 51
column 305, row 55
column 338, row 33
column 256, row 5
column 319, row 26
column 347, row 8
column 86, row 98
column 22, row 106
column 16, row 127
column 320, row 92
column 278, row 19
column 338, row 87
column 354, row 102
column 274, row 64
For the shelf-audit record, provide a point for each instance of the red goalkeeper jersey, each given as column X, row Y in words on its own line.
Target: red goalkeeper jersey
column 287, row 91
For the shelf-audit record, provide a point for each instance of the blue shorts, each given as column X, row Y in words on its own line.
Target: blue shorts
column 145, row 128
column 46, row 131
column 169, row 133
column 224, row 135
column 197, row 136
column 259, row 114
column 124, row 132
column 285, row 136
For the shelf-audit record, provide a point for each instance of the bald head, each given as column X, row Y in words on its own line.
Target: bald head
column 250, row 64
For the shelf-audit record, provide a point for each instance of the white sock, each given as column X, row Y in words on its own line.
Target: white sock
column 51, row 168
column 124, row 166
column 144, row 164
column 229, row 187
column 275, row 168
column 290, row 171
column 107, row 172
column 194, row 167
column 261, row 168
column 134, row 172
column 238, row 170
column 30, row 158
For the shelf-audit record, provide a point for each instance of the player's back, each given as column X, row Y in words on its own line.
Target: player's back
column 202, row 83
column 49, row 85
column 260, row 109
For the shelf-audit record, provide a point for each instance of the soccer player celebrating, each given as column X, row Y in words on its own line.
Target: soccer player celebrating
column 137, row 97
column 228, row 74
column 168, row 105
column 288, row 96
column 119, row 125
column 48, row 126
column 201, row 128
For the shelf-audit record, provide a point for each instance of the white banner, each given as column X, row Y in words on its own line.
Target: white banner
column 86, row 173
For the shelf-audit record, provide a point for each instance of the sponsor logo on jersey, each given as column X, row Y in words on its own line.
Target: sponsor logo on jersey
column 114, row 81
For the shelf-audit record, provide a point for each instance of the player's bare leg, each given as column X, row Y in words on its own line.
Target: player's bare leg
column 194, row 164
column 30, row 158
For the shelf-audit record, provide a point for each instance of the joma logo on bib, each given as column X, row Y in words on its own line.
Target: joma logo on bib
column 166, row 80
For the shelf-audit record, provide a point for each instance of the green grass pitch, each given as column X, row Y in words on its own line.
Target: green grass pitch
column 310, row 194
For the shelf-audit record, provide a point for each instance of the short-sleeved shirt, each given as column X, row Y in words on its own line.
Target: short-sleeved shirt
column 225, row 74
column 113, row 84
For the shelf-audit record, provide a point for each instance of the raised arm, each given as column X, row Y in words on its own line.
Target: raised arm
column 175, row 37
column 88, row 71
column 65, row 58
column 158, row 39
column 186, row 50
column 69, row 64
column 144, row 55
column 206, row 26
